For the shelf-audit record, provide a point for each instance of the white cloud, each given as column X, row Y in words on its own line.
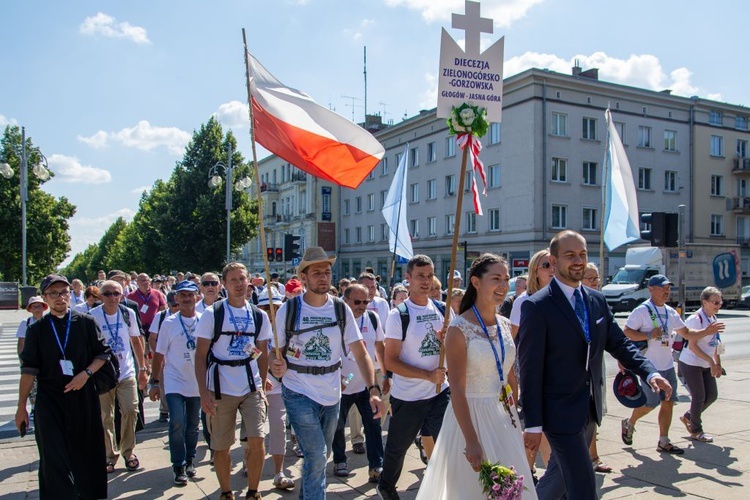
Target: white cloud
column 69, row 169
column 356, row 34
column 638, row 70
column 429, row 96
column 107, row 26
column 502, row 12
column 233, row 114
column 143, row 136
column 88, row 230
column 7, row 121
column 139, row 190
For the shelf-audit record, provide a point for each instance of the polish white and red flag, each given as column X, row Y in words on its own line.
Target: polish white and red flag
column 290, row 124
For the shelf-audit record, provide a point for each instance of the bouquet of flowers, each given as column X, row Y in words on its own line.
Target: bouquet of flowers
column 468, row 119
column 500, row 482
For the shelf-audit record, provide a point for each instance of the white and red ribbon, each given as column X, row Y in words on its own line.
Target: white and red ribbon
column 475, row 146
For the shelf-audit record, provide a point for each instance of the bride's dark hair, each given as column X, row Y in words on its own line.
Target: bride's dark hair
column 478, row 268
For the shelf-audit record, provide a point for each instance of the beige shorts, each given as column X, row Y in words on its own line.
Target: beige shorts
column 253, row 410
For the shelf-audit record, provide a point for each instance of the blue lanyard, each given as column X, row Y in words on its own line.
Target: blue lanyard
column 234, row 321
column 666, row 317
column 67, row 333
column 498, row 363
column 708, row 320
column 145, row 299
column 362, row 322
column 190, row 339
column 116, row 333
column 76, row 298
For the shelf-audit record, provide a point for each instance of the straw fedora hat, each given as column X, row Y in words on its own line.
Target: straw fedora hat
column 314, row 255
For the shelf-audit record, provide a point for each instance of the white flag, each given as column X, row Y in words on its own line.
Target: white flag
column 399, row 240
column 621, row 217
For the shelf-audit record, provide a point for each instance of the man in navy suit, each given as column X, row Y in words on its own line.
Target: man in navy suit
column 563, row 334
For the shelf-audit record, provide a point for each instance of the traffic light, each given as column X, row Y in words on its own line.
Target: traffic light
column 270, row 254
column 291, row 247
column 664, row 229
column 671, row 230
column 279, row 255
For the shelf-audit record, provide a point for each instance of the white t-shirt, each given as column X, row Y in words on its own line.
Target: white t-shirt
column 201, row 306
column 178, row 348
column 154, row 326
column 321, row 347
column 116, row 333
column 707, row 344
column 83, row 307
column 515, row 312
column 23, row 326
column 420, row 349
column 233, row 379
column 380, row 306
column 76, row 299
column 370, row 334
column 640, row 319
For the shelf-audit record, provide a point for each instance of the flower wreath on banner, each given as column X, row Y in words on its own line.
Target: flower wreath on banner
column 469, row 123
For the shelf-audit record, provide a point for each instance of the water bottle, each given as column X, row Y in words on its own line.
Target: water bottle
column 346, row 380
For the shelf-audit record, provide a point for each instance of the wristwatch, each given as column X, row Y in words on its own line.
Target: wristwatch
column 375, row 387
column 88, row 372
column 143, row 369
column 153, row 381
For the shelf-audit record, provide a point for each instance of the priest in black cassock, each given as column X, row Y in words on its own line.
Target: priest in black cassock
column 62, row 351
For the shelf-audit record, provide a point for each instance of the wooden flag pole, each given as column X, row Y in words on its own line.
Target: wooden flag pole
column 456, row 227
column 261, row 225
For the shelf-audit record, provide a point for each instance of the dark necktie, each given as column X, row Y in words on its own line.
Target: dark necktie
column 580, row 311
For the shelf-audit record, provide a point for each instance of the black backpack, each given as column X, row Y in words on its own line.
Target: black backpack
column 293, row 308
column 404, row 313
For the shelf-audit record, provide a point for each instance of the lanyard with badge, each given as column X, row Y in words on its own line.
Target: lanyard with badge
column 114, row 333
column 249, row 348
column 505, row 390
column 65, row 364
column 190, row 343
column 654, row 314
column 144, row 307
column 716, row 341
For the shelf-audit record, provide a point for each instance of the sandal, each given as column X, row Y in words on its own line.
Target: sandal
column 600, row 466
column 685, row 419
column 281, row 482
column 669, row 448
column 110, row 467
column 132, row 463
column 700, row 436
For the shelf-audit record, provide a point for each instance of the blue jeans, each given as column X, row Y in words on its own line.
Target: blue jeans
column 373, row 431
column 314, row 424
column 184, row 414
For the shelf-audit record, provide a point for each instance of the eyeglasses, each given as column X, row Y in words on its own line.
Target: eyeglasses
column 545, row 265
column 358, row 302
column 111, row 294
column 591, row 278
column 716, row 303
column 54, row 295
column 210, row 283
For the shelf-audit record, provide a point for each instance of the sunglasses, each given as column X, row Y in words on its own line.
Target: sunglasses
column 358, row 302
column 545, row 265
column 111, row 294
column 716, row 303
column 210, row 283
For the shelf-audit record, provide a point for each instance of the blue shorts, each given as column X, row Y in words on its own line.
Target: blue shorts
column 653, row 398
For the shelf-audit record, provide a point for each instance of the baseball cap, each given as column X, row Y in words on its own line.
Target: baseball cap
column 659, row 280
column 293, row 286
column 51, row 279
column 456, row 274
column 116, row 273
column 276, row 297
column 186, row 286
column 628, row 390
column 36, row 300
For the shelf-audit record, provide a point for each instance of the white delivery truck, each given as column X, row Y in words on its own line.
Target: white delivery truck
column 705, row 265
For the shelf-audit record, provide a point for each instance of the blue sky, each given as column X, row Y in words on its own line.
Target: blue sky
column 112, row 91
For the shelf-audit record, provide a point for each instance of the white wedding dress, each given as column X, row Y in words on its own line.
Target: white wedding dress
column 449, row 475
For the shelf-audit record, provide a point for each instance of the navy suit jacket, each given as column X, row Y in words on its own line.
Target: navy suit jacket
column 556, row 389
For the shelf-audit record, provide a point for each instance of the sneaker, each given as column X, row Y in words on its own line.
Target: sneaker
column 163, row 417
column 627, row 431
column 340, row 470
column 669, row 448
column 358, row 448
column 375, row 474
column 190, row 469
column 700, row 436
column 180, row 478
column 226, row 495
column 254, row 496
column 281, row 482
column 387, row 493
column 298, row 451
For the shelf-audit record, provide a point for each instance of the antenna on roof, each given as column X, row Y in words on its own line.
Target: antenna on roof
column 365, row 73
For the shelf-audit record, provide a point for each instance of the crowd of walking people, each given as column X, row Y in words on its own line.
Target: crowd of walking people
column 475, row 377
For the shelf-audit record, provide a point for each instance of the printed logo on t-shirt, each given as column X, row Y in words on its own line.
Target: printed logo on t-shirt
column 430, row 345
column 237, row 345
column 116, row 343
column 318, row 348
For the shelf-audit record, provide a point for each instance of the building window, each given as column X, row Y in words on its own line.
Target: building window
column 717, row 145
column 371, row 202
column 432, row 226
column 432, row 189
column 494, row 216
column 670, row 181
column 559, row 170
column 450, row 185
column 450, row 146
column 740, row 122
column 644, row 137
column 670, row 140
column 559, row 216
column 714, row 117
column 357, row 235
column 371, row 233
column 414, row 193
column 414, row 228
column 717, row 185
column 589, row 128
column 346, row 235
column 450, row 223
column 589, row 219
column 644, row 226
column 414, row 156
column 717, row 225
column 383, row 196
column 398, row 159
column 589, row 173
column 493, row 180
column 467, row 181
column 384, row 232
column 371, row 175
column 560, row 124
column 346, row 207
column 620, row 127
column 743, row 188
column 494, row 133
column 384, row 166
column 741, row 148
column 471, row 222
column 358, row 205
column 431, row 152
column 644, row 178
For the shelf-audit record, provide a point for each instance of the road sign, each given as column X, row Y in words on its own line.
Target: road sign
column 295, row 261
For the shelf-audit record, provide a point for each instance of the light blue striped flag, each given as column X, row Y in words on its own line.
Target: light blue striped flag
column 399, row 240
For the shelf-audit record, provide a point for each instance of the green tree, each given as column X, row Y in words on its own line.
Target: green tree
column 47, row 238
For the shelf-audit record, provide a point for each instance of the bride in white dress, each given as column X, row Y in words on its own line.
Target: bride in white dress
column 477, row 426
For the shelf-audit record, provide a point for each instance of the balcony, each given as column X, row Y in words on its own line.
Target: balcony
column 741, row 166
column 743, row 241
column 739, row 205
column 298, row 177
column 266, row 187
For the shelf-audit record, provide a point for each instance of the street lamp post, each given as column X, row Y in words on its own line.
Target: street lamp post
column 41, row 170
column 214, row 180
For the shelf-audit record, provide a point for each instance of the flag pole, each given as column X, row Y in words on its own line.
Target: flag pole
column 605, row 176
column 272, row 312
column 456, row 227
